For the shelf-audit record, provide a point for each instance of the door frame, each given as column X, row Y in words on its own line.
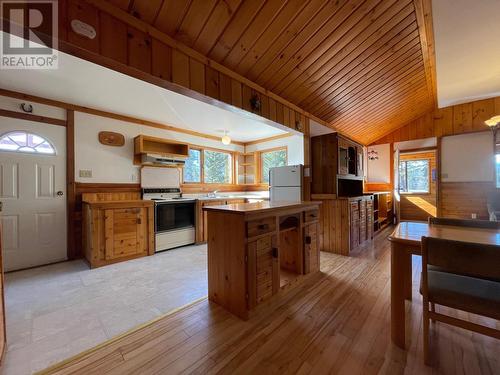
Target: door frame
column 69, row 124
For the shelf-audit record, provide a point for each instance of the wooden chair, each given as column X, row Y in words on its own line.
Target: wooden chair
column 463, row 276
column 465, row 223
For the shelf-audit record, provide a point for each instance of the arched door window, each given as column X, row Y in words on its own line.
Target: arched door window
column 21, row 141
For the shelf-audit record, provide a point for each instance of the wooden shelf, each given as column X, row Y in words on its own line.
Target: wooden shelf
column 144, row 144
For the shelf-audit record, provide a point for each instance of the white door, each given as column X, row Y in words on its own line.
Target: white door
column 32, row 192
column 397, row 197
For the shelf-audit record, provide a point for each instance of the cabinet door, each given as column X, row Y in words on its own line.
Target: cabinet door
column 263, row 272
column 343, row 158
column 369, row 219
column 360, row 162
column 354, row 224
column 204, row 217
column 124, row 232
column 311, row 248
column 362, row 221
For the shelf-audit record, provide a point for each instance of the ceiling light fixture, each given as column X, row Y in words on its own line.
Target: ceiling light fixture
column 226, row 140
column 493, row 122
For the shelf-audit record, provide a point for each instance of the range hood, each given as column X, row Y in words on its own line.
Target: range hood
column 155, row 159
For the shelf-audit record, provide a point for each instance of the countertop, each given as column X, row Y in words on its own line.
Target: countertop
column 257, row 207
column 123, row 203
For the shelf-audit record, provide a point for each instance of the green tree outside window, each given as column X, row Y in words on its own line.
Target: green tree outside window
column 270, row 160
column 217, row 167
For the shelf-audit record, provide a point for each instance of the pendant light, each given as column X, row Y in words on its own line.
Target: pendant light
column 226, row 140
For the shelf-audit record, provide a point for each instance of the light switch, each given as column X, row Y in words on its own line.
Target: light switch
column 85, row 173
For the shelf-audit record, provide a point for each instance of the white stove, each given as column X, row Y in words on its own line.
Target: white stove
column 175, row 216
column 165, row 195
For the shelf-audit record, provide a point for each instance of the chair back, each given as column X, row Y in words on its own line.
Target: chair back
column 465, row 223
column 465, row 258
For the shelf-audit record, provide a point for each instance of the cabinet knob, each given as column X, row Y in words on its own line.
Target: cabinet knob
column 308, row 240
column 275, row 252
column 263, row 226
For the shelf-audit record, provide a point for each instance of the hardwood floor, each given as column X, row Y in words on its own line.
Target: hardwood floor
column 334, row 322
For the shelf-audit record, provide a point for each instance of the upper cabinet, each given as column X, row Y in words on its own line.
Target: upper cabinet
column 350, row 158
column 337, row 166
column 160, row 148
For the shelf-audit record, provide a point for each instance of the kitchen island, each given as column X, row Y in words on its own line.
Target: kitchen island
column 257, row 249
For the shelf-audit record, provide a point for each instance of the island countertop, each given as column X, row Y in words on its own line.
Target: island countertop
column 259, row 207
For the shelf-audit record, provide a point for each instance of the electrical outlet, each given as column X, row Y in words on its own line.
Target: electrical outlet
column 85, row 173
column 474, row 216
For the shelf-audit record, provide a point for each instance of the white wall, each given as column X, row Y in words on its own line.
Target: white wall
column 416, row 143
column 379, row 170
column 13, row 104
column 467, row 157
column 294, row 144
column 115, row 164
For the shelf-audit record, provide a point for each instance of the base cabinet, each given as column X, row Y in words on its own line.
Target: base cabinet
column 250, row 259
column 117, row 231
column 345, row 223
column 201, row 216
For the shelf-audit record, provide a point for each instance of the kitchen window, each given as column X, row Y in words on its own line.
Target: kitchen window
column 270, row 159
column 217, row 167
column 192, row 168
column 414, row 176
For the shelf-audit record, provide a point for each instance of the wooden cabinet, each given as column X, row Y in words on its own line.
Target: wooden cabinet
column 382, row 210
column 201, row 216
column 337, row 165
column 311, row 250
column 263, row 269
column 345, row 223
column 114, row 231
column 144, row 144
column 354, row 224
column 253, row 255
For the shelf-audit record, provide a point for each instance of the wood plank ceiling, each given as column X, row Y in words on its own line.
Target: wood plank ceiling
column 359, row 65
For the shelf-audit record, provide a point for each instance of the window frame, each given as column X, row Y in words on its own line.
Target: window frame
column 429, row 177
column 260, row 155
column 202, row 166
column 35, row 152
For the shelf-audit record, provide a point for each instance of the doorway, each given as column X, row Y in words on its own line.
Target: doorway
column 417, row 184
column 33, row 193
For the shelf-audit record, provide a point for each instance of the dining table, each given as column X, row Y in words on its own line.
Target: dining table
column 406, row 241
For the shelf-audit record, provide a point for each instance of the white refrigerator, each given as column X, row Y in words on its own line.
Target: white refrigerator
column 285, row 183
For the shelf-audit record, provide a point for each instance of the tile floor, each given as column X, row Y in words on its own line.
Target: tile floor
column 57, row 311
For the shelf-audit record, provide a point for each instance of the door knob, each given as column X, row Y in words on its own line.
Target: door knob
column 60, row 193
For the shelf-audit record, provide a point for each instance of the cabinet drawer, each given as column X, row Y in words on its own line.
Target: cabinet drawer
column 312, row 215
column 257, row 227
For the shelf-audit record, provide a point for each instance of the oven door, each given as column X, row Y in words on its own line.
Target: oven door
column 174, row 215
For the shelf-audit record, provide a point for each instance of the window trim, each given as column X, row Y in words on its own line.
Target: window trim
column 429, row 192
column 202, row 166
column 260, row 153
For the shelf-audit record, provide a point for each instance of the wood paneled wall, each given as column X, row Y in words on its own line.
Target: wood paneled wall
column 456, row 199
column 420, row 206
column 462, row 199
column 131, row 46
column 457, row 119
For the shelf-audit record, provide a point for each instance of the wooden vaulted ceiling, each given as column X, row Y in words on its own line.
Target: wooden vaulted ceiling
column 363, row 66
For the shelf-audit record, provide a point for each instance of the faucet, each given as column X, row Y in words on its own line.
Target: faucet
column 213, row 194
